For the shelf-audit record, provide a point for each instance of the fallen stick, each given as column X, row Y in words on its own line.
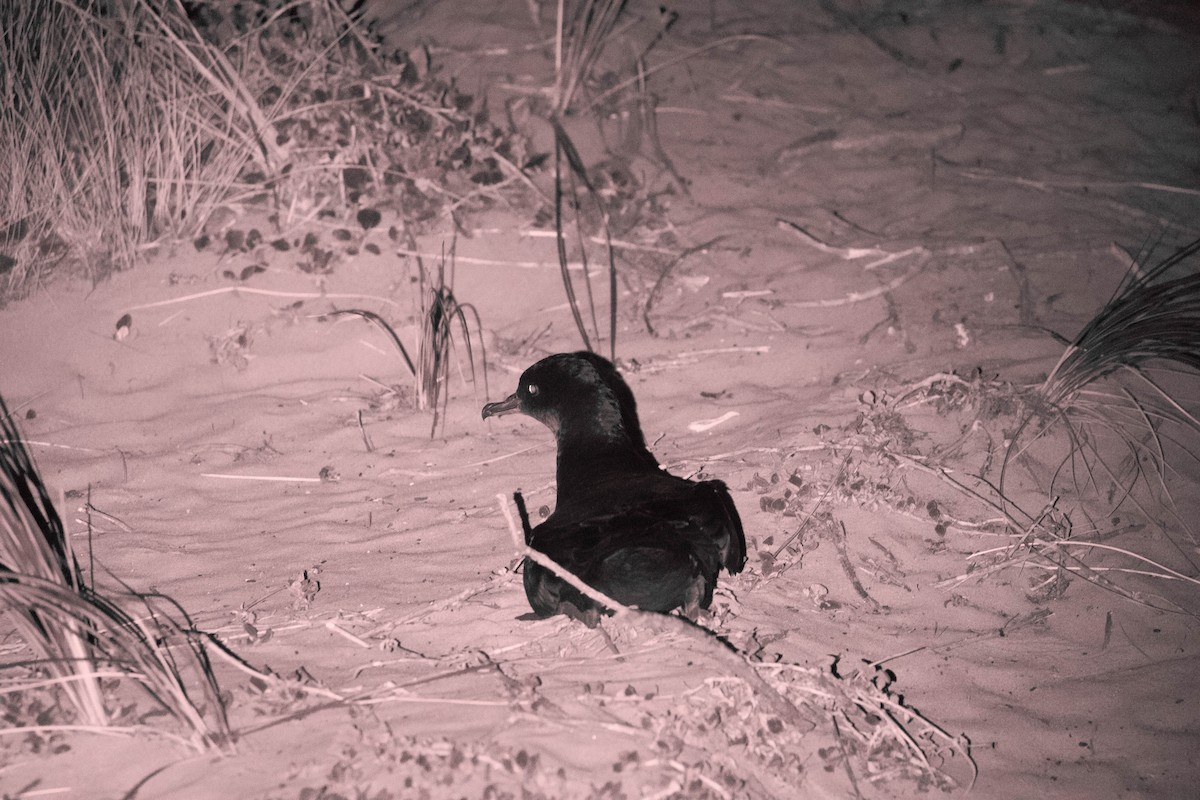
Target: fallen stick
column 263, row 292
column 272, row 478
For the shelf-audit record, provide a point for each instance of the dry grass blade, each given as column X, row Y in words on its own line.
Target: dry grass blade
column 564, row 149
column 580, row 39
column 76, row 633
column 1150, row 317
column 381, row 323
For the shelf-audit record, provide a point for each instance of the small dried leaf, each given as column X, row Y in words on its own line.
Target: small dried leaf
column 368, row 218
column 488, row 177
column 355, row 178
column 536, row 161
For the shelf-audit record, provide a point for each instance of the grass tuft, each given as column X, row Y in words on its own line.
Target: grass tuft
column 1111, row 425
column 1150, row 324
column 118, row 124
column 76, row 634
column 440, row 311
column 440, row 314
column 124, row 122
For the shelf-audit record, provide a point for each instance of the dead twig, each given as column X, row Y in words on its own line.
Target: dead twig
column 848, row 568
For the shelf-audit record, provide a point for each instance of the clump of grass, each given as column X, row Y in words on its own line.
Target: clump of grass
column 126, row 121
column 1108, row 389
column 1112, row 423
column 440, row 312
column 1150, row 326
column 118, row 124
column 601, row 203
column 580, row 38
column 79, row 636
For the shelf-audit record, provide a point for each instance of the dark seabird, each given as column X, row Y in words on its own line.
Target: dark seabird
column 622, row 524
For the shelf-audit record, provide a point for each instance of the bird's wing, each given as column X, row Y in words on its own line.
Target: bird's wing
column 666, row 513
column 723, row 523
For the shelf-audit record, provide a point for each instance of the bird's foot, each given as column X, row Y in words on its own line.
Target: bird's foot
column 691, row 607
column 590, row 617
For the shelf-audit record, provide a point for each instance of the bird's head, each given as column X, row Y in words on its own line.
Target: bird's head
column 576, row 395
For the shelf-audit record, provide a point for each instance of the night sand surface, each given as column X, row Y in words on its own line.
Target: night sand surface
column 1038, row 138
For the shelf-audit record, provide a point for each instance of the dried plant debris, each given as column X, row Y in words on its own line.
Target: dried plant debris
column 771, row 730
column 304, row 590
column 1068, row 474
column 233, row 346
column 407, row 766
column 354, row 123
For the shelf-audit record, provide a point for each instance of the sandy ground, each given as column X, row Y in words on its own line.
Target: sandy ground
column 1017, row 145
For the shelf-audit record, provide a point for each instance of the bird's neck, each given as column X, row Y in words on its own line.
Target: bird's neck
column 585, row 461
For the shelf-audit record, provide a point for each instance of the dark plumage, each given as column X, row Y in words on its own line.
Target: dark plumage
column 626, row 527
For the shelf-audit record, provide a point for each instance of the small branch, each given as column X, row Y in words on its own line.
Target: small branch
column 485, row 262
column 662, row 277
column 264, row 293
column 844, row 253
column 1078, row 183
column 334, row 628
column 269, row 478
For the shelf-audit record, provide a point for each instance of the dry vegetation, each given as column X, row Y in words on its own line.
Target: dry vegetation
column 126, row 121
column 83, row 640
column 1100, row 438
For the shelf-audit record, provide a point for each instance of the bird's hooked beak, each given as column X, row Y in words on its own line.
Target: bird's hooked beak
column 505, row 406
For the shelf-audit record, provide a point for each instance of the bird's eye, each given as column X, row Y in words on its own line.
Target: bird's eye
column 532, row 388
